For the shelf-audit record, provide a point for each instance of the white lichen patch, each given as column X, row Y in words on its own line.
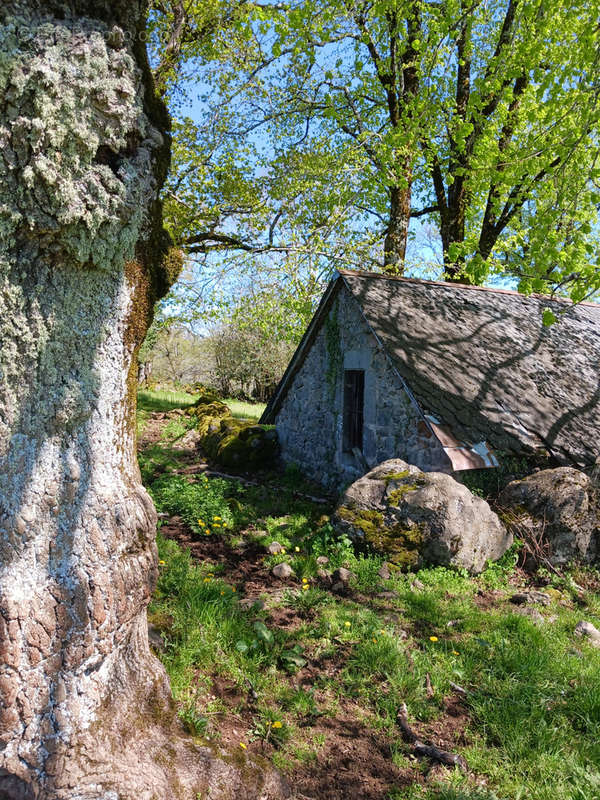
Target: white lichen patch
column 75, row 143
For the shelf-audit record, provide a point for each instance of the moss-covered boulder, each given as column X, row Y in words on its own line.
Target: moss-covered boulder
column 417, row 518
column 233, row 442
column 209, row 417
column 208, row 411
column 205, row 394
column 559, row 508
column 246, row 444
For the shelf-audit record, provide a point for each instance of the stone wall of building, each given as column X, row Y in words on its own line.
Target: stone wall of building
column 310, row 419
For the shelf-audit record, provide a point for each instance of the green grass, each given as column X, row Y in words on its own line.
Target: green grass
column 534, row 693
column 163, row 400
column 533, row 690
column 170, row 400
column 244, row 410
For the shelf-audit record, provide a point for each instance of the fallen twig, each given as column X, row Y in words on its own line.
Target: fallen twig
column 443, row 756
column 402, row 719
column 458, row 689
column 428, row 686
column 426, row 750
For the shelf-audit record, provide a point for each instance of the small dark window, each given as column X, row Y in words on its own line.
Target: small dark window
column 354, row 395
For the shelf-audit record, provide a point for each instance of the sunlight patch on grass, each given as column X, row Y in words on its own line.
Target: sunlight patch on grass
column 243, row 410
column 163, row 400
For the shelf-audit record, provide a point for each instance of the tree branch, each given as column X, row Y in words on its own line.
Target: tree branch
column 423, row 211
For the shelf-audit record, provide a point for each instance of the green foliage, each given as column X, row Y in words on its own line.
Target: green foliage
column 248, row 360
column 533, row 702
column 172, row 354
column 156, row 460
column 366, row 568
column 304, row 601
column 293, row 659
column 269, row 728
column 194, row 721
column 202, row 505
column 322, row 120
column 262, row 640
column 325, row 541
column 488, row 483
column 497, row 573
column 176, row 428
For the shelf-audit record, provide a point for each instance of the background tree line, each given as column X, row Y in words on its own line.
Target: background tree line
column 448, row 138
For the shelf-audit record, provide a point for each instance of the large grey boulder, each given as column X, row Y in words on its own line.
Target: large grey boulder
column 418, row 518
column 559, row 507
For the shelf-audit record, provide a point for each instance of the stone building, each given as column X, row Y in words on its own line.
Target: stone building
column 444, row 376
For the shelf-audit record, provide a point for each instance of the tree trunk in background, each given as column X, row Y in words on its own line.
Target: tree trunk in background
column 85, row 709
column 394, row 247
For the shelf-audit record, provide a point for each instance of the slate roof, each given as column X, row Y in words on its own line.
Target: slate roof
column 481, row 364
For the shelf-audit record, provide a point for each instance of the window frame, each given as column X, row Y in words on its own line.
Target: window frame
column 353, row 410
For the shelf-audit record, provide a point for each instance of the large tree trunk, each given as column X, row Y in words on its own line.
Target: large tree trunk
column 85, row 710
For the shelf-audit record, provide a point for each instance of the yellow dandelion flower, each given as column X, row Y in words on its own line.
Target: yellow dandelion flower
column 347, row 624
column 242, row 745
column 277, row 724
column 455, row 653
column 297, row 549
column 207, row 532
column 216, row 525
column 200, row 522
column 374, row 638
column 283, row 549
column 162, row 563
column 305, row 586
column 207, row 580
column 222, row 592
column 433, row 638
column 304, row 580
column 382, row 632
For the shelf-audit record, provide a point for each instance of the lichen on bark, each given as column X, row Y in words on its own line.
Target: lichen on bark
column 84, row 706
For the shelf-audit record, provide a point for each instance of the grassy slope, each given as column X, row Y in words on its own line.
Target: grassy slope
column 533, row 705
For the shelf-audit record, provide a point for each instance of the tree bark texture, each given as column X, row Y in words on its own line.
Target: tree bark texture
column 394, row 248
column 85, row 709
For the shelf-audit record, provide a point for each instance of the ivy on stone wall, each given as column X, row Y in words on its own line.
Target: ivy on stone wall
column 334, row 349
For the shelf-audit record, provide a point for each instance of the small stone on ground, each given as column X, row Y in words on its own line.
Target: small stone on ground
column 282, row 571
column 524, row 598
column 343, row 575
column 589, row 631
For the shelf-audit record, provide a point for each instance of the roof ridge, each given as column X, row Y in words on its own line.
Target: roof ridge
column 452, row 285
